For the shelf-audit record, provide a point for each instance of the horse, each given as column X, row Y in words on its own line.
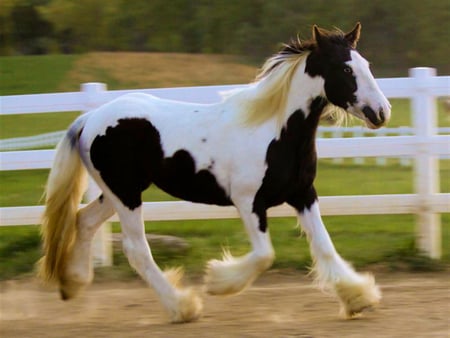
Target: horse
column 253, row 150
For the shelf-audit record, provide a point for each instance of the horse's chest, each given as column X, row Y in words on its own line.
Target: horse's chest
column 291, row 165
column 289, row 170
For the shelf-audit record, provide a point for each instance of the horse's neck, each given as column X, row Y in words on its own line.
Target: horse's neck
column 302, row 93
column 304, row 106
column 302, row 125
column 258, row 104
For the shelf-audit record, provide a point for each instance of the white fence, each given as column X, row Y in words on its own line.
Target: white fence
column 424, row 146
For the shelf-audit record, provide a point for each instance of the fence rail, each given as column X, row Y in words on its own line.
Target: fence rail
column 329, row 205
column 423, row 145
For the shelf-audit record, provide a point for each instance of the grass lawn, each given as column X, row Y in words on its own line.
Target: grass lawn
column 361, row 239
column 34, row 74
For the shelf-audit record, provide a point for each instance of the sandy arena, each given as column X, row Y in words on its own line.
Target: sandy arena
column 280, row 304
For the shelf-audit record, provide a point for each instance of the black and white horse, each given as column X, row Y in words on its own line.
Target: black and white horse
column 253, row 150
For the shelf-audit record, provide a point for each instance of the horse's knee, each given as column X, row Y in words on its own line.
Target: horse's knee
column 128, row 249
column 137, row 251
column 92, row 216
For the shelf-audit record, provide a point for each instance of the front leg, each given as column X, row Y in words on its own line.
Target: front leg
column 355, row 291
column 232, row 275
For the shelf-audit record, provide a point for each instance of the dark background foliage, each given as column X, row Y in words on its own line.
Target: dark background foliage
column 397, row 34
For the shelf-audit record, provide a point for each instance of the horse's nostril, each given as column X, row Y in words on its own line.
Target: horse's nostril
column 376, row 118
column 382, row 117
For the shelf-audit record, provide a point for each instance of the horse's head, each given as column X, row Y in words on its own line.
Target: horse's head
column 349, row 83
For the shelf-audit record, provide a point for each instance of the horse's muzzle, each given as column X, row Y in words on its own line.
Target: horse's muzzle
column 375, row 119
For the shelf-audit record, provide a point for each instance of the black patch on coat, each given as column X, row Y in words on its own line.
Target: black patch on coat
column 178, row 176
column 329, row 62
column 129, row 158
column 123, row 157
column 291, row 164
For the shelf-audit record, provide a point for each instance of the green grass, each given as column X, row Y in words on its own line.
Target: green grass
column 33, row 74
column 22, row 187
column 361, row 239
column 19, row 250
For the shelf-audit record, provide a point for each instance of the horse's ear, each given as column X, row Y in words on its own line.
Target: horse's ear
column 318, row 36
column 353, row 36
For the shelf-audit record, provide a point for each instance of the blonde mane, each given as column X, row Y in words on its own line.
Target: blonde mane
column 272, row 85
column 266, row 98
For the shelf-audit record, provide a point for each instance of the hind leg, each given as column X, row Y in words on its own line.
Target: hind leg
column 79, row 270
column 182, row 304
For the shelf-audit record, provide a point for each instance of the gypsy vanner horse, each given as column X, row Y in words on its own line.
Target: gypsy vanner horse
column 253, row 150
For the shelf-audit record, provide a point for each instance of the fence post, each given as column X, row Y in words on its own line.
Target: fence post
column 102, row 242
column 426, row 165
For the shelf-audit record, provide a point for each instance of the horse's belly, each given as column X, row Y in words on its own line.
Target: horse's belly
column 197, row 192
column 178, row 176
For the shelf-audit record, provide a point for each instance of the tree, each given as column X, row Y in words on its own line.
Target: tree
column 396, row 34
column 22, row 28
column 29, row 30
column 80, row 25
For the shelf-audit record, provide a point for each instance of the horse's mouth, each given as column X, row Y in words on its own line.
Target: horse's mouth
column 368, row 115
column 373, row 119
column 371, row 125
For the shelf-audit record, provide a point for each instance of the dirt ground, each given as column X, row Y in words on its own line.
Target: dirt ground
column 280, row 304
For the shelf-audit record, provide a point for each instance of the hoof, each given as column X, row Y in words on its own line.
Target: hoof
column 190, row 307
column 70, row 289
column 355, row 297
column 225, row 277
column 233, row 275
column 64, row 294
column 187, row 306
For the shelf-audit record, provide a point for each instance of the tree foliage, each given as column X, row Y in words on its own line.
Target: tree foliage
column 396, row 34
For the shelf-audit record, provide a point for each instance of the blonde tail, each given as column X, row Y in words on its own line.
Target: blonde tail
column 66, row 184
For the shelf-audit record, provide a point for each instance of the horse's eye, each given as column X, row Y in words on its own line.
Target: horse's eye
column 348, row 70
